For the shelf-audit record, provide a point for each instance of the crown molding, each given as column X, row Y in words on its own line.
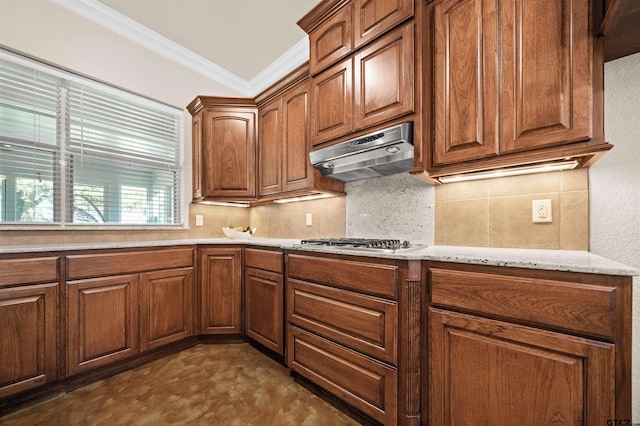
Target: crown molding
column 149, row 39
column 288, row 61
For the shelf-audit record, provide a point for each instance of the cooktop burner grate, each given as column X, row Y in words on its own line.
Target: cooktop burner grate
column 368, row 243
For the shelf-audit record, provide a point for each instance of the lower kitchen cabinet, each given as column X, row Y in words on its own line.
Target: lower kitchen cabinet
column 124, row 302
column 220, row 290
column 166, row 307
column 353, row 328
column 28, row 336
column 491, row 372
column 102, row 321
column 264, row 298
column 531, row 347
column 363, row 382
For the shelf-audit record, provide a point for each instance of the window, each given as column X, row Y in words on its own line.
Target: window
column 73, row 151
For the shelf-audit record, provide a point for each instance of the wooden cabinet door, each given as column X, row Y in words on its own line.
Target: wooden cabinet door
column 372, row 18
column 297, row 169
column 546, row 51
column 465, row 80
column 270, row 148
column 166, row 307
column 264, row 295
column 482, row 371
column 332, row 40
column 196, row 152
column 103, row 321
column 228, row 153
column 221, row 291
column 383, row 76
column 332, row 102
column 28, row 337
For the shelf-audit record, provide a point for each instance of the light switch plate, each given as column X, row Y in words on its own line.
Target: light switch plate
column 199, row 220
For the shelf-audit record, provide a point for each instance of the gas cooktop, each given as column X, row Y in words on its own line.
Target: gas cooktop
column 363, row 244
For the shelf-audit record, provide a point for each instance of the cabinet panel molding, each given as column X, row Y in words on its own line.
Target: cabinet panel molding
column 332, row 102
column 465, row 80
column 384, row 79
column 487, row 371
column 166, row 307
column 547, row 67
column 28, row 337
column 221, row 290
column 264, row 315
column 582, row 308
column 372, row 18
column 122, row 262
column 332, row 40
column 229, row 153
column 364, row 323
column 270, row 152
column 368, row 385
column 297, row 169
column 359, row 275
column 28, row 270
column 103, row 321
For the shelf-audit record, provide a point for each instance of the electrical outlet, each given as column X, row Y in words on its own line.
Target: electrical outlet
column 541, row 211
column 199, row 220
column 309, row 219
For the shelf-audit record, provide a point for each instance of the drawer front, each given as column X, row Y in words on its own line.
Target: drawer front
column 362, row 382
column 96, row 265
column 264, row 259
column 27, row 271
column 364, row 323
column 367, row 277
column 566, row 306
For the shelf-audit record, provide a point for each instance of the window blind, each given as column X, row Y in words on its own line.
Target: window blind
column 75, row 152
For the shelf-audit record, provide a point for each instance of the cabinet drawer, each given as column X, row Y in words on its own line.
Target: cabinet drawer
column 364, row 323
column 568, row 306
column 263, row 259
column 362, row 276
column 30, row 270
column 103, row 264
column 362, row 382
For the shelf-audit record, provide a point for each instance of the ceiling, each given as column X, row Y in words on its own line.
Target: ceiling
column 241, row 36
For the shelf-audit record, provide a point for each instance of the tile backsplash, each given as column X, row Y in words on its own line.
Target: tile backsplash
column 289, row 220
column 498, row 212
column 397, row 206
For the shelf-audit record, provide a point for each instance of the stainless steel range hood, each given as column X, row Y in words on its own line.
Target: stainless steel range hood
column 380, row 153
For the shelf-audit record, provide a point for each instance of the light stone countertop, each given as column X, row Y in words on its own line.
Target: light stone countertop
column 555, row 260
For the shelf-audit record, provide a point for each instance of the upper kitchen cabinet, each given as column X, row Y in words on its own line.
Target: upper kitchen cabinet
column 512, row 83
column 621, row 28
column 224, row 147
column 372, row 18
column 337, row 28
column 284, row 169
column 332, row 40
column 362, row 65
column 373, row 86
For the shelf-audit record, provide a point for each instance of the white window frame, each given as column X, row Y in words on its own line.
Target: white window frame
column 181, row 200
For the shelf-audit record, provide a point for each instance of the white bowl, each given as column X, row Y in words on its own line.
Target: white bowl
column 232, row 233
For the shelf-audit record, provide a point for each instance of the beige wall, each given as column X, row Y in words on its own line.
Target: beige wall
column 497, row 212
column 272, row 220
column 215, row 217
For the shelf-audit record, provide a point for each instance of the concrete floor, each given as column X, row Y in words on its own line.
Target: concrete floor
column 225, row 384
